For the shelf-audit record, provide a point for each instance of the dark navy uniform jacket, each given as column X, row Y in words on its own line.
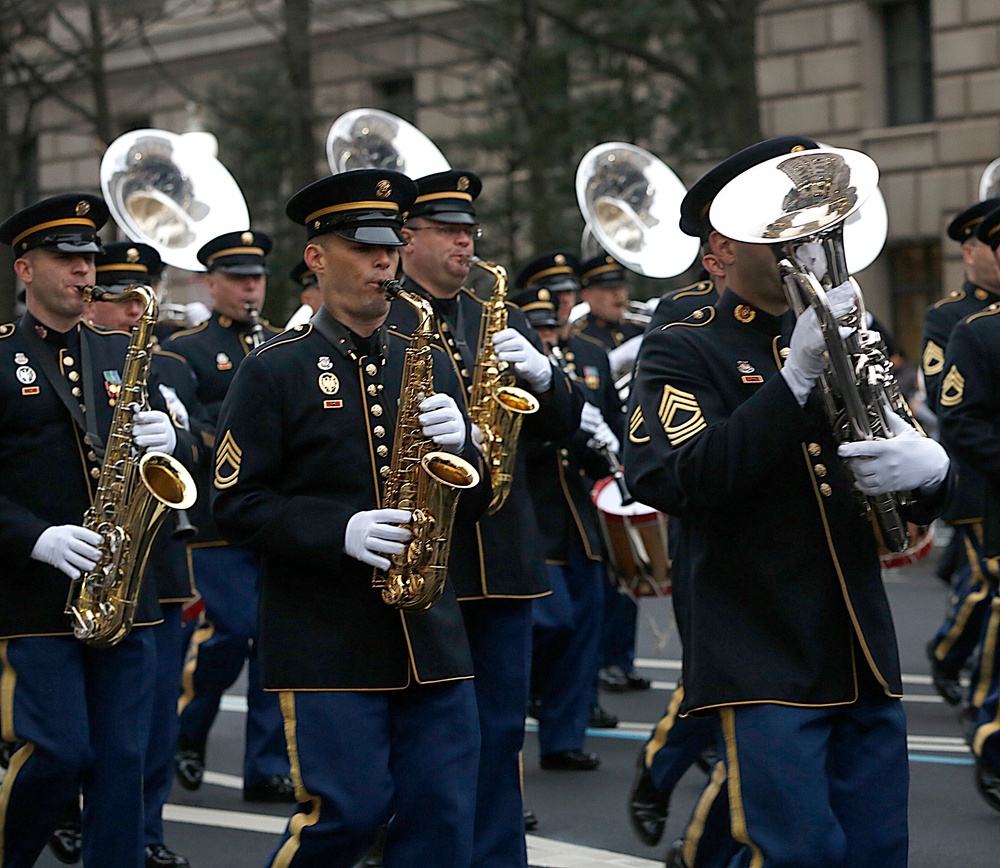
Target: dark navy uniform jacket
column 610, row 334
column 969, row 410
column 48, row 465
column 499, row 557
column 682, row 303
column 777, row 585
column 214, row 350
column 563, row 470
column 304, row 435
column 967, row 500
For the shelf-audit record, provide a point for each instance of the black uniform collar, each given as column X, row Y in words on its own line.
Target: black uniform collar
column 731, row 307
column 56, row 340
column 342, row 338
column 978, row 293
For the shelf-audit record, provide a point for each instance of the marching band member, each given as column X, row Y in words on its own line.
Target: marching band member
column 310, row 295
column 497, row 570
column 958, row 635
column 604, row 286
column 226, row 576
column 378, row 703
column 969, row 408
column 79, row 714
column 726, row 439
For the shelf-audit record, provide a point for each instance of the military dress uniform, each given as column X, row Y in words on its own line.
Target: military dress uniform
column 77, row 713
column 227, row 577
column 754, row 480
column 378, row 703
column 495, row 563
column 969, row 413
column 604, row 270
column 959, row 634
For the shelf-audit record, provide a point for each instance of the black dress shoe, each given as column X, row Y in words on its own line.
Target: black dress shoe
column 277, row 789
column 569, row 761
column 647, row 806
column 944, row 679
column 530, row 820
column 613, row 679
column 158, row 856
column 602, row 719
column 707, row 759
column 66, row 839
column 189, row 763
column 988, row 783
column 636, row 682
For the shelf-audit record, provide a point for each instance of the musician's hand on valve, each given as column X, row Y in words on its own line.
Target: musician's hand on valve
column 372, row 534
column 907, row 461
column 176, row 407
column 153, row 431
column 513, row 347
column 442, row 421
column 69, row 548
column 807, row 348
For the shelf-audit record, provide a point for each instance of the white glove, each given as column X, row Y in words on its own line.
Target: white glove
column 69, row 548
column 374, row 533
column 154, row 432
column 604, row 436
column 806, row 358
column 622, row 358
column 441, row 420
column 176, row 407
column 590, row 418
column 812, row 256
column 906, row 461
column 477, row 436
column 513, row 347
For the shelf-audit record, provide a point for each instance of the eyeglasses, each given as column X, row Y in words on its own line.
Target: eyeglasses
column 452, row 230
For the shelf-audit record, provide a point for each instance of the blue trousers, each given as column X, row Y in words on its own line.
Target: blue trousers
column 620, row 616
column 228, row 580
column 566, row 650
column 360, row 760
column 708, row 841
column 81, row 718
column 499, row 634
column 823, row 787
column 986, row 742
column 159, row 766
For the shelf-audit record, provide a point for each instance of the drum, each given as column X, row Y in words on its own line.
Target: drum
column 636, row 537
column 921, row 543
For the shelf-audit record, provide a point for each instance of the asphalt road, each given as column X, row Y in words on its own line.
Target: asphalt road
column 950, row 824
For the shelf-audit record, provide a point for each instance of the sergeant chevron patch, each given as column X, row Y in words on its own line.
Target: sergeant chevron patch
column 933, row 358
column 635, row 424
column 952, row 388
column 680, row 415
column 227, row 462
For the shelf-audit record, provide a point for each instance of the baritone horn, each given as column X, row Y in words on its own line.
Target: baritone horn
column 799, row 203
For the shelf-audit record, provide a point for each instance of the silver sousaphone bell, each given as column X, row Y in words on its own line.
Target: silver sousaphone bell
column 368, row 138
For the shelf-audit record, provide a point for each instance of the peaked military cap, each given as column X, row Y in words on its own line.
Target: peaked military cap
column 988, row 229
column 695, row 205
column 236, row 252
column 302, row 275
column 122, row 263
column 556, row 270
column 603, row 270
column 537, row 303
column 447, row 197
column 366, row 206
column 67, row 224
column 964, row 225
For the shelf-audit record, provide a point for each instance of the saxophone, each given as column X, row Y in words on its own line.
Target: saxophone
column 496, row 406
column 423, row 480
column 131, row 500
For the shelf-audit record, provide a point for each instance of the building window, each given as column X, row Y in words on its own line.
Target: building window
column 397, row 96
column 915, row 272
column 906, row 31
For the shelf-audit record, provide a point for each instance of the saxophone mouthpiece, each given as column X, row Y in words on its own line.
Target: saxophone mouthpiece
column 391, row 288
column 470, row 260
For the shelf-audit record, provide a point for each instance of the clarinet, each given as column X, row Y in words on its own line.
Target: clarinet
column 257, row 336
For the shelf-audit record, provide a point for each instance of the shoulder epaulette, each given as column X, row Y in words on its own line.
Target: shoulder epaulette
column 396, row 333
column 162, row 352
column 472, row 295
column 588, row 338
column 7, row 329
column 190, row 331
column 700, row 317
column 98, row 330
column 702, row 287
column 954, row 295
column 279, row 340
column 987, row 311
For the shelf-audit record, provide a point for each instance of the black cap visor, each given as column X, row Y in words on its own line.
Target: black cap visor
column 385, row 234
column 241, row 268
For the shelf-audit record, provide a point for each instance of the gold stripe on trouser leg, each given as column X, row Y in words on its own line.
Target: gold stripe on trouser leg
column 299, row 820
column 987, row 657
column 984, row 732
column 696, row 828
column 8, row 681
column 202, row 634
column 738, row 818
column 972, row 599
column 664, row 726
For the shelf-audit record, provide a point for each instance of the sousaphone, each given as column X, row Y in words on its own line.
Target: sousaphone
column 368, row 138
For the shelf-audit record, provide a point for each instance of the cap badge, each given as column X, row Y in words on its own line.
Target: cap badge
column 131, row 255
column 247, row 238
column 544, row 294
column 560, row 259
column 463, row 184
column 383, row 189
column 329, row 384
column 797, row 149
column 82, row 207
column 324, row 363
column 609, row 260
column 744, row 313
